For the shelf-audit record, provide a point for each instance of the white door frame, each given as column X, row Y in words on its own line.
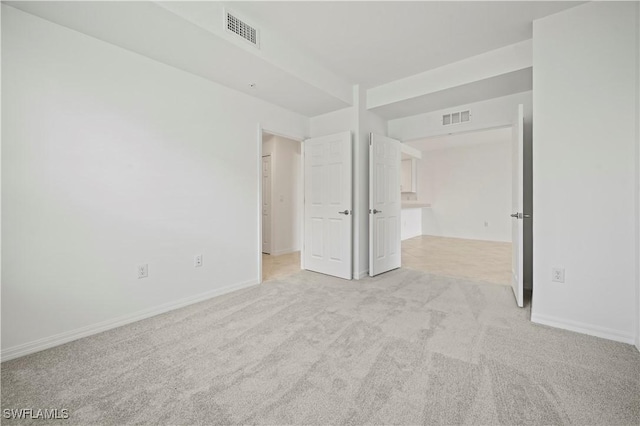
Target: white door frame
column 270, row 203
column 479, row 129
column 298, row 138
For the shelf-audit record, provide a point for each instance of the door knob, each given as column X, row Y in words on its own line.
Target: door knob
column 521, row 216
column 346, row 212
column 376, row 211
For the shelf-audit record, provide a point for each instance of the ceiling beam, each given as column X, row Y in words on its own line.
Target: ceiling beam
column 494, row 63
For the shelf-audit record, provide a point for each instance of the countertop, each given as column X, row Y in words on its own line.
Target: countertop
column 413, row 205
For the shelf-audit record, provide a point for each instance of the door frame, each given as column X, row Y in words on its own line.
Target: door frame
column 500, row 125
column 270, row 204
column 298, row 138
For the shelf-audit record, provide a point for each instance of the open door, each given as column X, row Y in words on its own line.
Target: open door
column 517, row 226
column 384, row 204
column 327, row 205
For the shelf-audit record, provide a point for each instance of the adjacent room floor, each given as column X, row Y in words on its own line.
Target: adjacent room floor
column 487, row 261
column 280, row 266
column 406, row 347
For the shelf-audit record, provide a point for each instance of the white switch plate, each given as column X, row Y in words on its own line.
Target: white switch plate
column 557, row 275
column 197, row 260
column 143, row 271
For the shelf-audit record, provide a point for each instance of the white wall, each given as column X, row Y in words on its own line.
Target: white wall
column 110, row 160
column 585, row 173
column 334, row 122
column 467, row 186
column 286, row 193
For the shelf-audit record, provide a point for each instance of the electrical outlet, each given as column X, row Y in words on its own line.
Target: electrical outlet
column 557, row 275
column 143, row 271
column 197, row 260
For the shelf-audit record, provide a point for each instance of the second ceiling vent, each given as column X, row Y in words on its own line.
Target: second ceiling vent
column 456, row 118
column 237, row 26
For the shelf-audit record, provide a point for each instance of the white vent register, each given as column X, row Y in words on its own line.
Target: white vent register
column 456, row 118
column 240, row 28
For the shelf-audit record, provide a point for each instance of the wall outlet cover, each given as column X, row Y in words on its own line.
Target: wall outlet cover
column 557, row 275
column 143, row 271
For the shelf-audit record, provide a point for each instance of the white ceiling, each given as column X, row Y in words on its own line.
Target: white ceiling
column 371, row 43
column 153, row 31
column 317, row 48
column 462, row 139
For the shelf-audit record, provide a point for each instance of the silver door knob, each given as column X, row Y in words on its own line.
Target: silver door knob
column 521, row 216
column 346, row 212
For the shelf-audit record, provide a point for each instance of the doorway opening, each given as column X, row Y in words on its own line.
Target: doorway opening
column 456, row 206
column 281, row 205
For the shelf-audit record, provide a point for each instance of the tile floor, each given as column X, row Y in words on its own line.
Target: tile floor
column 488, row 261
column 280, row 266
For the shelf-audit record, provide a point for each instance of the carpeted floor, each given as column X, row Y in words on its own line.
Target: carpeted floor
column 402, row 348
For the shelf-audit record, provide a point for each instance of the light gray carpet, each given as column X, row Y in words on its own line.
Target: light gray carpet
column 403, row 348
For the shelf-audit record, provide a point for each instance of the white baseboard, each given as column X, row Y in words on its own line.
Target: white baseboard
column 285, row 251
column 408, row 237
column 363, row 274
column 69, row 336
column 579, row 327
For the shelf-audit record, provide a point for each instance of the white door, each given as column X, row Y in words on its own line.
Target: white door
column 384, row 204
column 266, row 204
column 517, row 228
column 327, row 205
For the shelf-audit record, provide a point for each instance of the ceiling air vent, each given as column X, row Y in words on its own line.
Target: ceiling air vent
column 456, row 118
column 237, row 26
